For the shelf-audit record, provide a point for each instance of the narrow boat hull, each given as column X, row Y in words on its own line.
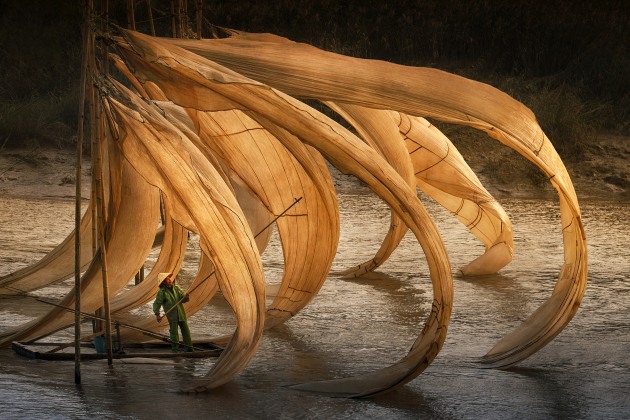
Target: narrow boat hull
column 88, row 352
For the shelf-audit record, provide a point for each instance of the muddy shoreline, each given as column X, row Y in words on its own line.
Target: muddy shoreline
column 603, row 172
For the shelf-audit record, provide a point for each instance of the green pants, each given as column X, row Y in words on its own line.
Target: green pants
column 173, row 329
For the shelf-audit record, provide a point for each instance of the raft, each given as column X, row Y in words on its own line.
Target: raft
column 51, row 351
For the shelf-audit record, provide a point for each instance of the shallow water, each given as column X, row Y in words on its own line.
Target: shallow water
column 356, row 326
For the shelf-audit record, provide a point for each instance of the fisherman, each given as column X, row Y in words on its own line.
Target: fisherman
column 168, row 296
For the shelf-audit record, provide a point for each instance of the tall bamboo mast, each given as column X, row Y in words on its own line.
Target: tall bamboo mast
column 199, row 17
column 173, row 21
column 86, row 34
column 104, row 28
column 180, row 20
column 151, row 18
column 97, row 171
column 97, row 139
column 131, row 17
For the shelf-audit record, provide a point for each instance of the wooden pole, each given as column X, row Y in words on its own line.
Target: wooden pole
column 100, row 199
column 139, row 277
column 131, row 17
column 97, row 146
column 151, row 24
column 199, row 17
column 97, row 325
column 173, row 21
column 77, row 209
column 180, row 20
column 105, row 28
column 162, row 211
column 93, row 211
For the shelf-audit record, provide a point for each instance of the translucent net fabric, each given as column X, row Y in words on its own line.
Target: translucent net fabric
column 216, row 128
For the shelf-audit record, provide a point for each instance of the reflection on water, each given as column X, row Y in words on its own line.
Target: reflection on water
column 355, row 326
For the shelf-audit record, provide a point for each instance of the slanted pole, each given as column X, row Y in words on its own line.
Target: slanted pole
column 105, row 29
column 100, row 204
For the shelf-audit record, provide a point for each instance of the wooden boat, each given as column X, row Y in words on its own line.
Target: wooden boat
column 59, row 351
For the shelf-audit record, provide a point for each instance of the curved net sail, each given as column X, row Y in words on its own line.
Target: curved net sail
column 218, row 131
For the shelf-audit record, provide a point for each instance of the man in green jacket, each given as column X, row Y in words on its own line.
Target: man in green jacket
column 168, row 296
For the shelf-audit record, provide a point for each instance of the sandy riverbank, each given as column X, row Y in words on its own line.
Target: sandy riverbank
column 603, row 172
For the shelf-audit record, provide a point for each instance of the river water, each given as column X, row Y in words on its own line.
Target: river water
column 356, row 326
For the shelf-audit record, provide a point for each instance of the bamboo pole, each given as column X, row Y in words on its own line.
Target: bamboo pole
column 199, row 17
column 181, row 12
column 86, row 315
column 101, row 224
column 93, row 188
column 77, row 209
column 98, row 144
column 151, row 23
column 131, row 17
column 93, row 211
column 180, row 20
column 105, row 28
column 97, row 325
column 173, row 21
column 162, row 211
column 139, row 277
